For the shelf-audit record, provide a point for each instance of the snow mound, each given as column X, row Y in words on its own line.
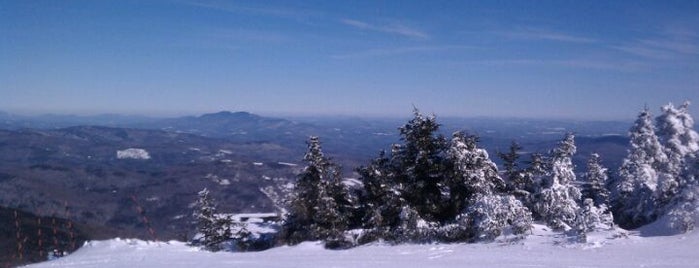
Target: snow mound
column 540, row 249
column 133, row 153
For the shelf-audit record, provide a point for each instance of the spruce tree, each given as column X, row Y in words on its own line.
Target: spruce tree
column 535, row 178
column 511, row 172
column 519, row 181
column 683, row 210
column 421, row 162
column 633, row 193
column 558, row 200
column 675, row 129
column 473, row 171
column 489, row 215
column 595, row 181
column 485, row 205
column 213, row 229
column 320, row 205
column 382, row 200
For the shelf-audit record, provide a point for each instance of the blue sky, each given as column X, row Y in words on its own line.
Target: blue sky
column 554, row 59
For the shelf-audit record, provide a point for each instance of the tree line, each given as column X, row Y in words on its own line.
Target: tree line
column 432, row 188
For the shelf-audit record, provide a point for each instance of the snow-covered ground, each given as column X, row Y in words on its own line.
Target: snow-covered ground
column 542, row 249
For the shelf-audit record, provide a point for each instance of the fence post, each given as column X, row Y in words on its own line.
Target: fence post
column 144, row 218
column 18, row 236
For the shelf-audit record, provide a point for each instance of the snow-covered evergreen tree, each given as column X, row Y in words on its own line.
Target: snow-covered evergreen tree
column 422, row 167
column 595, row 217
column 491, row 214
column 557, row 202
column 214, row 230
column 514, row 177
column 535, row 177
column 683, row 209
column 473, row 172
column 320, row 205
column 633, row 192
column 424, row 190
column 382, row 199
column 595, row 183
column 486, row 208
column 675, row 129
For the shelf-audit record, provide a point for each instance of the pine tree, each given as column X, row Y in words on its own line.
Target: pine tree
column 633, row 198
column 489, row 215
column 213, row 229
column 535, row 178
column 592, row 217
column 511, row 172
column 484, row 206
column 382, row 200
column 675, row 129
column 683, row 210
column 558, row 201
column 320, row 205
column 421, row 159
column 473, row 172
column 595, row 181
column 519, row 181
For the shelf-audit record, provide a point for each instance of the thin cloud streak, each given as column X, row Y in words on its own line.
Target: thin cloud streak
column 263, row 11
column 670, row 44
column 659, row 49
column 541, row 34
column 644, row 51
column 605, row 65
column 682, row 47
column 392, row 28
column 397, row 51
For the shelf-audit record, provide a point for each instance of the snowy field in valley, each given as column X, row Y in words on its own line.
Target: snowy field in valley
column 542, row 249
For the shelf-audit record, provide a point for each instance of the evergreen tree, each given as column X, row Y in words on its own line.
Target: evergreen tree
column 595, row 181
column 382, row 198
column 592, row 217
column 422, row 167
column 633, row 198
column 429, row 189
column 486, row 208
column 512, row 173
column 675, row 129
column 683, row 210
column 320, row 205
column 489, row 215
column 473, row 172
column 558, row 200
column 213, row 229
column 519, row 181
column 535, row 178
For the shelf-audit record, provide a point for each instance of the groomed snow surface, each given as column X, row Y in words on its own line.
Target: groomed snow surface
column 541, row 249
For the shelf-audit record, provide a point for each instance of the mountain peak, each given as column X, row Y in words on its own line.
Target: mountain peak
column 229, row 115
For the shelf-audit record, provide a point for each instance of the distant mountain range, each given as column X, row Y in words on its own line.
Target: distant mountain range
column 344, row 137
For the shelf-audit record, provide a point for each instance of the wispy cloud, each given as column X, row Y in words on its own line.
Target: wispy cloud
column 645, row 51
column 231, row 7
column 396, row 51
column 674, row 40
column 676, row 46
column 542, row 34
column 604, row 65
column 246, row 35
column 661, row 48
column 391, row 28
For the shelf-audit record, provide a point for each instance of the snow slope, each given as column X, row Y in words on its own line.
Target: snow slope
column 542, row 249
